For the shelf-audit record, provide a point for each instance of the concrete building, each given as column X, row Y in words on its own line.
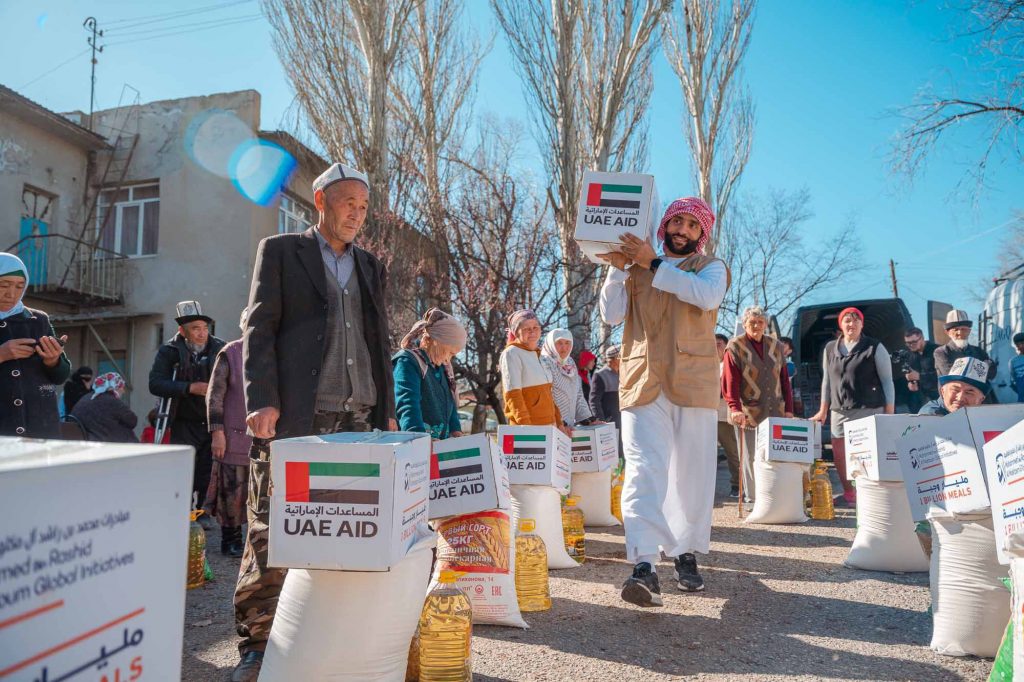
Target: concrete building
column 164, row 202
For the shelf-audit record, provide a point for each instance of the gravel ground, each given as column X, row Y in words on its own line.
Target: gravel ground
column 779, row 605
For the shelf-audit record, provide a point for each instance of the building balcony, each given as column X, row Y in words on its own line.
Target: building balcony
column 71, row 271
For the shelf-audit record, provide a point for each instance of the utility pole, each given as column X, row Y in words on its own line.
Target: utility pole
column 892, row 273
column 90, row 25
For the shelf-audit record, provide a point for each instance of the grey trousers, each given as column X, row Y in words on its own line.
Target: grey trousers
column 748, row 439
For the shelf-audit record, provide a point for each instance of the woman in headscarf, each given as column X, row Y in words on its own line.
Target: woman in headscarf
column 426, row 397
column 103, row 413
column 32, row 361
column 856, row 383
column 80, row 384
column 526, row 385
column 229, row 476
column 566, row 387
column 586, row 363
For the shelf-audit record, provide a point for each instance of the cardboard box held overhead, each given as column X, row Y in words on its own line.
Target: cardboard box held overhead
column 942, row 460
column 347, row 501
column 537, row 455
column 612, row 204
column 594, row 448
column 1004, row 468
column 467, row 475
column 788, row 440
column 871, row 445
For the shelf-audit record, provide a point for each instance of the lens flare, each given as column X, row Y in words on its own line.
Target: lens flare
column 260, row 169
column 212, row 139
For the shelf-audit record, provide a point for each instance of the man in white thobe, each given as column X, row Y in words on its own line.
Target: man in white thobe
column 668, row 392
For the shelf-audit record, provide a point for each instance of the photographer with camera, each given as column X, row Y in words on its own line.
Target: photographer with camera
column 916, row 380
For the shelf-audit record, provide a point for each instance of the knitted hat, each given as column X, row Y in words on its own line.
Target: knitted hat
column 696, row 207
column 190, row 311
column 958, row 318
column 338, row 172
column 970, row 371
column 849, row 311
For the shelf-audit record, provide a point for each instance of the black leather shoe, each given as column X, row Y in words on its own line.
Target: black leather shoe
column 248, row 669
column 642, row 587
column 687, row 575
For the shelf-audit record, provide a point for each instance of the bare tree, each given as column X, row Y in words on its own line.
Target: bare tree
column 340, row 57
column 997, row 113
column 705, row 43
column 776, row 259
column 586, row 69
column 502, row 256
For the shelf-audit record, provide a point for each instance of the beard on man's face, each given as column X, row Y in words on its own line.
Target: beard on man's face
column 685, row 249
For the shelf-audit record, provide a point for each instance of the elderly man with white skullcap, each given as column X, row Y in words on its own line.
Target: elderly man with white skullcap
column 668, row 392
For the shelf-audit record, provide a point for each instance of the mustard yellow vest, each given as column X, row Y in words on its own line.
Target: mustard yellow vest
column 667, row 345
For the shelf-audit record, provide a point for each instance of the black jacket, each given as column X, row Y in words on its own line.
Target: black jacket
column 174, row 355
column 284, row 333
column 28, row 388
column 106, row 418
column 853, row 378
column 604, row 396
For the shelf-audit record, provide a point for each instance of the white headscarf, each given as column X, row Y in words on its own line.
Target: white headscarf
column 567, row 366
column 12, row 265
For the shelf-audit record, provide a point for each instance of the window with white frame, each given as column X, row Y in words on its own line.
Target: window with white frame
column 294, row 215
column 128, row 220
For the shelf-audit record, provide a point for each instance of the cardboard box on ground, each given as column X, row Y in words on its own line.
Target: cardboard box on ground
column 594, row 448
column 467, row 475
column 95, row 541
column 348, row 501
column 537, row 455
column 871, row 445
column 612, row 204
column 788, row 440
column 942, row 460
column 1004, row 467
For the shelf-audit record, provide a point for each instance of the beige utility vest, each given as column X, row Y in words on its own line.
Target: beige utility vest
column 668, row 345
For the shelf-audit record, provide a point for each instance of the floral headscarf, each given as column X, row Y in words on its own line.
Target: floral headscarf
column 111, row 381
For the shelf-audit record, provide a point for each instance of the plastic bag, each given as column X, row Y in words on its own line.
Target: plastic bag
column 780, row 493
column 594, row 491
column 885, row 539
column 543, row 504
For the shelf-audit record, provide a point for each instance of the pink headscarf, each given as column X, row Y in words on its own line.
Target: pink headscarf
column 516, row 319
column 696, row 207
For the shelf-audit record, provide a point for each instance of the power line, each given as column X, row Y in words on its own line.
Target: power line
column 231, row 22
column 168, row 16
column 62, row 64
column 206, row 22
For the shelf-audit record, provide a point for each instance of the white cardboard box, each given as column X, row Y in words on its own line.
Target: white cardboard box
column 788, row 440
column 537, row 455
column 467, row 475
column 95, row 540
column 347, row 501
column 1004, row 467
column 594, row 448
column 612, row 204
column 942, row 461
column 871, row 445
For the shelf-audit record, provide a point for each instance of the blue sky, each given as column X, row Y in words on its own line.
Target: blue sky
column 825, row 77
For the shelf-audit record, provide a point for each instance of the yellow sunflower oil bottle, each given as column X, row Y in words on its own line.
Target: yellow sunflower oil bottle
column 572, row 530
column 617, row 496
column 531, row 569
column 821, row 495
column 412, row 668
column 195, row 576
column 446, row 630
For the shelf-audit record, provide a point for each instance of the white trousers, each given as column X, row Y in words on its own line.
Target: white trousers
column 669, row 489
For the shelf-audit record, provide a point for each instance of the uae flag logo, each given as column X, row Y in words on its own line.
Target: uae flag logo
column 614, row 196
column 337, row 482
column 584, row 444
column 797, row 433
column 524, row 445
column 455, row 463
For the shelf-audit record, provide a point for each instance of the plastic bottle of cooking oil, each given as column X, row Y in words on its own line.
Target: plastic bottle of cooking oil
column 617, row 496
column 821, row 495
column 808, row 469
column 531, row 569
column 572, row 530
column 195, row 575
column 446, row 630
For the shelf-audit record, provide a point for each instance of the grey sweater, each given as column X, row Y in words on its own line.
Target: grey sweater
column 346, row 377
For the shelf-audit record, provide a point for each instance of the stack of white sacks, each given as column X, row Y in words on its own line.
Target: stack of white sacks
column 885, row 539
column 948, row 484
column 595, row 453
column 784, row 449
column 349, row 520
column 539, row 461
